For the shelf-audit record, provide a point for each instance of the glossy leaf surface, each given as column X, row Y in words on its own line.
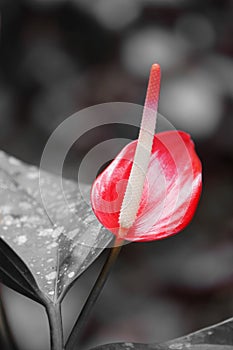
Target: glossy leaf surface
column 55, row 252
column 171, row 191
column 216, row 337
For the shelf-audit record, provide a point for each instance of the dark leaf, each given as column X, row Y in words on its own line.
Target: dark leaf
column 217, row 337
column 56, row 243
column 15, row 274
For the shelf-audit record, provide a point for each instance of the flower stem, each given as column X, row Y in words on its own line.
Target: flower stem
column 75, row 334
column 55, row 325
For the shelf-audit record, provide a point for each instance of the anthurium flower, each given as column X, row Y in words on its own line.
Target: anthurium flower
column 152, row 187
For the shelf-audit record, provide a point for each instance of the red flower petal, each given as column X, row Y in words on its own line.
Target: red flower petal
column 171, row 190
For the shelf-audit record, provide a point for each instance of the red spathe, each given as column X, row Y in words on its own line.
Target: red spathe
column 171, row 190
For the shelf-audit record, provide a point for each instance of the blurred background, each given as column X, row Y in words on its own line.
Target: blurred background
column 60, row 56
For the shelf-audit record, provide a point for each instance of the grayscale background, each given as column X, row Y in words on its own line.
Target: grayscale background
column 60, row 56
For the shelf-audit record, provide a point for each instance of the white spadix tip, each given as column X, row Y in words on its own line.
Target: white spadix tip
column 133, row 193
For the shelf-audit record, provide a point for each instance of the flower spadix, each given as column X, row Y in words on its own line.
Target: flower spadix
column 152, row 187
